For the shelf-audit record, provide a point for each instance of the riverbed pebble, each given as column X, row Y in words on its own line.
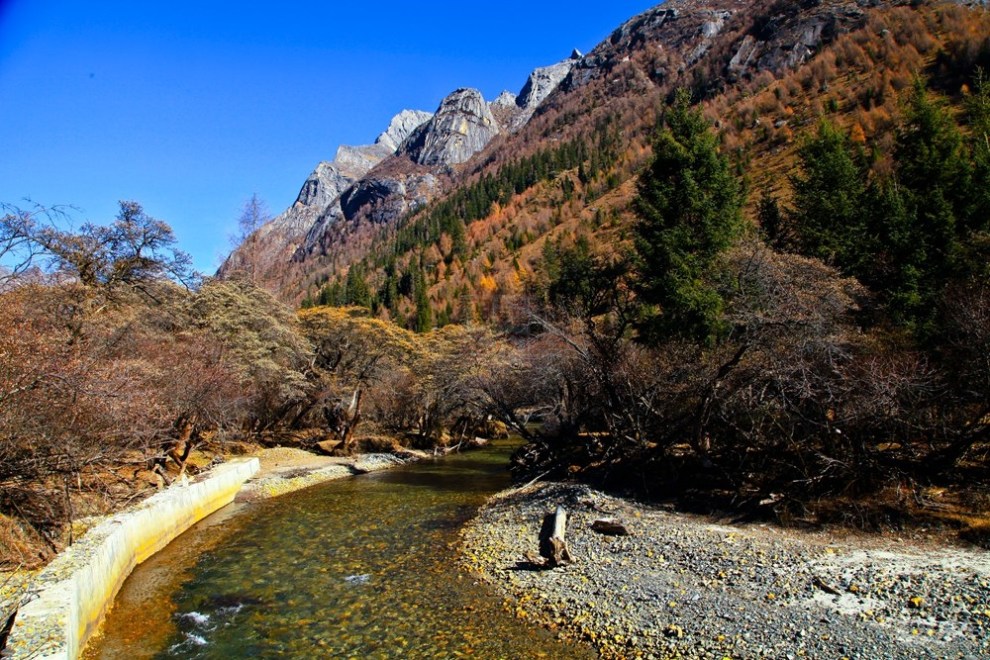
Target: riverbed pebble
column 684, row 586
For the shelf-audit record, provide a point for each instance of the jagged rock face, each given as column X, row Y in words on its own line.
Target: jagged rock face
column 358, row 161
column 504, row 109
column 783, row 35
column 789, row 38
column 504, row 100
column 318, row 205
column 384, row 199
column 276, row 241
column 378, row 200
column 401, row 126
column 541, row 82
column 462, row 126
column 323, row 186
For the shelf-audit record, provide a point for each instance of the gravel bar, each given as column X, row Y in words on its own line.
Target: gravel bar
column 277, row 481
column 682, row 586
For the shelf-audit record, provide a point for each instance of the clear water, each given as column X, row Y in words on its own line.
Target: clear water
column 356, row 568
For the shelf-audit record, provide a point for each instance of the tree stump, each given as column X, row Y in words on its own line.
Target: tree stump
column 553, row 544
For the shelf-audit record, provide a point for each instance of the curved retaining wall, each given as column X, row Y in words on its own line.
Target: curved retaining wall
column 72, row 594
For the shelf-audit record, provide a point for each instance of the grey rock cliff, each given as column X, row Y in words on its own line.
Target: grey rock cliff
column 401, row 126
column 322, row 187
column 383, row 199
column 318, row 204
column 542, row 82
column 750, row 40
column 378, row 200
column 358, row 161
column 462, row 126
column 504, row 100
column 274, row 243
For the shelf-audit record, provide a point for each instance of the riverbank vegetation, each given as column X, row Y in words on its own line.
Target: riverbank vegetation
column 120, row 370
column 828, row 361
column 785, row 316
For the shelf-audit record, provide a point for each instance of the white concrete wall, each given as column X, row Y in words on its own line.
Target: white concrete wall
column 71, row 595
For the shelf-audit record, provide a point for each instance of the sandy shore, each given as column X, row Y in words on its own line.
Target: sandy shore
column 681, row 586
column 284, row 470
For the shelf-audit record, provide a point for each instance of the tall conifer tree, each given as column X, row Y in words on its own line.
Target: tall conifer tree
column 689, row 205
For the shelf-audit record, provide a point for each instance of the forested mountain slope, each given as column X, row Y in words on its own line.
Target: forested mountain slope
column 469, row 236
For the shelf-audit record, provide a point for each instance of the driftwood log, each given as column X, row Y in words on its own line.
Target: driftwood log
column 553, row 543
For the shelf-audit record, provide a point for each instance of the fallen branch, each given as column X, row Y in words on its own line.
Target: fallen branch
column 818, row 582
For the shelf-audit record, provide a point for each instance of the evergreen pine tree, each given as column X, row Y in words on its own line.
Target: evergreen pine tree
column 934, row 174
column 689, row 205
column 356, row 291
column 423, row 321
column 978, row 112
column 828, row 201
column 771, row 220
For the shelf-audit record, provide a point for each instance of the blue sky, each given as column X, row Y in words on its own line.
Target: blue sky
column 191, row 107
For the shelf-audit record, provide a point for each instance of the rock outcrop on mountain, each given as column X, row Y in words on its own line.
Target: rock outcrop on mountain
column 513, row 110
column 273, row 245
column 323, row 186
column 541, row 82
column 462, row 126
column 379, row 183
column 401, row 127
column 358, row 161
column 504, row 100
column 382, row 199
column 764, row 35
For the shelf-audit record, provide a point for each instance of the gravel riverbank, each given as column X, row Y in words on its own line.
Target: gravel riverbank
column 681, row 586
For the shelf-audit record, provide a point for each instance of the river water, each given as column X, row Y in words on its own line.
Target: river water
column 364, row 567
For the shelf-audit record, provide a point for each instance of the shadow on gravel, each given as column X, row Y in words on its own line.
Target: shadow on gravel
column 529, row 566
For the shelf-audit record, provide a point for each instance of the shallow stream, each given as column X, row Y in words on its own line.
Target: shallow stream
column 364, row 567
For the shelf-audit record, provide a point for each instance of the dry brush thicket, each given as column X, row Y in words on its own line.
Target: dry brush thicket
column 113, row 374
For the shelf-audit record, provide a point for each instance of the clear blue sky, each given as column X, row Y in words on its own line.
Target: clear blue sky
column 190, row 107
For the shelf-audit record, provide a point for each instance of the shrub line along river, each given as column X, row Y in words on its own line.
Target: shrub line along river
column 364, row 567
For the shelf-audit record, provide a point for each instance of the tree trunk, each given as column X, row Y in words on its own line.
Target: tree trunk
column 351, row 418
column 555, row 547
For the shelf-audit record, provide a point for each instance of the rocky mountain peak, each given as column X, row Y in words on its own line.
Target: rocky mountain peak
column 462, row 126
column 401, row 126
column 542, row 81
column 322, row 186
column 357, row 161
column 504, row 100
column 513, row 111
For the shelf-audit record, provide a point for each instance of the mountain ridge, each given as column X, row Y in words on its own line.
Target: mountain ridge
column 463, row 124
column 719, row 50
